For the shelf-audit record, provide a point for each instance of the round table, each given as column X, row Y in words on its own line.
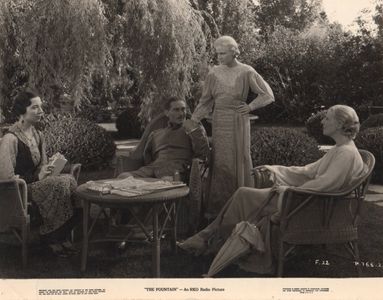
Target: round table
column 158, row 201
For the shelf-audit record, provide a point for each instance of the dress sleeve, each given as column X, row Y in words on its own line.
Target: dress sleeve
column 259, row 86
column 8, row 153
column 337, row 174
column 206, row 102
column 294, row 176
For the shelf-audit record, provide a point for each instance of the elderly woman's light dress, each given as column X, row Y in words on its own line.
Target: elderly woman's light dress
column 338, row 169
column 225, row 91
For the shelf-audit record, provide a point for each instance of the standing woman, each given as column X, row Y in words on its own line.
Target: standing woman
column 225, row 92
column 23, row 155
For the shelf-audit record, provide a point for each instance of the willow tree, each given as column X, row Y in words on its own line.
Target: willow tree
column 164, row 43
column 59, row 44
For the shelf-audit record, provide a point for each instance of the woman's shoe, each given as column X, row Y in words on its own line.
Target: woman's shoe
column 195, row 245
column 58, row 250
column 69, row 248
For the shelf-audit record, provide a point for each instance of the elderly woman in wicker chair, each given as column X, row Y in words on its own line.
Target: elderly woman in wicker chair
column 23, row 155
column 339, row 168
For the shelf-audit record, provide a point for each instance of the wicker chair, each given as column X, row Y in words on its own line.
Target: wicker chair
column 189, row 212
column 310, row 218
column 14, row 215
column 323, row 218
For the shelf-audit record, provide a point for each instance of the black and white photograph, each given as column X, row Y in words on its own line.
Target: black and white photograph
column 191, row 149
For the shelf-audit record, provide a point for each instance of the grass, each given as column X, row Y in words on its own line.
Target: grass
column 105, row 261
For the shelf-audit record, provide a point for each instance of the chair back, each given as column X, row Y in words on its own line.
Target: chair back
column 13, row 205
column 321, row 218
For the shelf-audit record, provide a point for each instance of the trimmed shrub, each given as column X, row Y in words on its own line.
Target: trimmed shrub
column 283, row 146
column 79, row 140
column 315, row 129
column 95, row 113
column 128, row 124
column 371, row 139
column 372, row 121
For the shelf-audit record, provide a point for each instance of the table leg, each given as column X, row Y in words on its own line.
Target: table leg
column 174, row 233
column 156, row 251
column 85, row 241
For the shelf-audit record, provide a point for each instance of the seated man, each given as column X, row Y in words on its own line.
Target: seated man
column 166, row 151
column 172, row 148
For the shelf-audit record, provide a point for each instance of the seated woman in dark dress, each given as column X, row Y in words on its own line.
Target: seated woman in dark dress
column 23, row 155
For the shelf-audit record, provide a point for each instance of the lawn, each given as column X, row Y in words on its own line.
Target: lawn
column 105, row 261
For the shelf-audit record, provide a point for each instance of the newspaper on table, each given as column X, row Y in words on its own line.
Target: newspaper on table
column 130, row 186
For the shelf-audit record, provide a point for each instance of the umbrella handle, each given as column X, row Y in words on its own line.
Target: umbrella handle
column 263, row 205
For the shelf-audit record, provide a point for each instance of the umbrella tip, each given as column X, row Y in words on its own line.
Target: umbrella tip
column 206, row 276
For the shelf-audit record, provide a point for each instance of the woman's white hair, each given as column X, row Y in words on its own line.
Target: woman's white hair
column 228, row 42
column 348, row 119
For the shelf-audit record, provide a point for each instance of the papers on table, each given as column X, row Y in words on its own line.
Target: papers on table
column 131, row 186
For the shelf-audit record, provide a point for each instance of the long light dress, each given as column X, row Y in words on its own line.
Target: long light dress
column 224, row 90
column 335, row 171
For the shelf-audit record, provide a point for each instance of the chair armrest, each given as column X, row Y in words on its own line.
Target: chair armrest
column 126, row 164
column 75, row 170
column 194, row 202
column 195, row 170
column 316, row 193
column 262, row 178
column 21, row 187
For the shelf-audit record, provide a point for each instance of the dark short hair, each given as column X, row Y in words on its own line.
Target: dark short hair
column 22, row 101
column 167, row 101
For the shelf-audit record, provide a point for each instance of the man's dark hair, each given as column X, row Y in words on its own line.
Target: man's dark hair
column 169, row 100
column 22, row 101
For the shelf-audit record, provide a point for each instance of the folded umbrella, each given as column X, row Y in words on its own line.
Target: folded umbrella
column 244, row 237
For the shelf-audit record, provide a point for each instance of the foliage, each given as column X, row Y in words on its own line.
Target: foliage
column 292, row 14
column 161, row 44
column 378, row 17
column 79, row 140
column 373, row 121
column 371, row 139
column 315, row 129
column 282, row 146
column 120, row 54
column 54, row 46
column 320, row 66
column 12, row 71
column 128, row 124
column 95, row 113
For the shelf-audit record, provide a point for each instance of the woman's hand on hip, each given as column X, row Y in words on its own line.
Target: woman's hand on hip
column 243, row 109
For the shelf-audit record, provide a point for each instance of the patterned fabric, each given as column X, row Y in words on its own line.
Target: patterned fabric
column 52, row 195
column 225, row 89
column 53, row 198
